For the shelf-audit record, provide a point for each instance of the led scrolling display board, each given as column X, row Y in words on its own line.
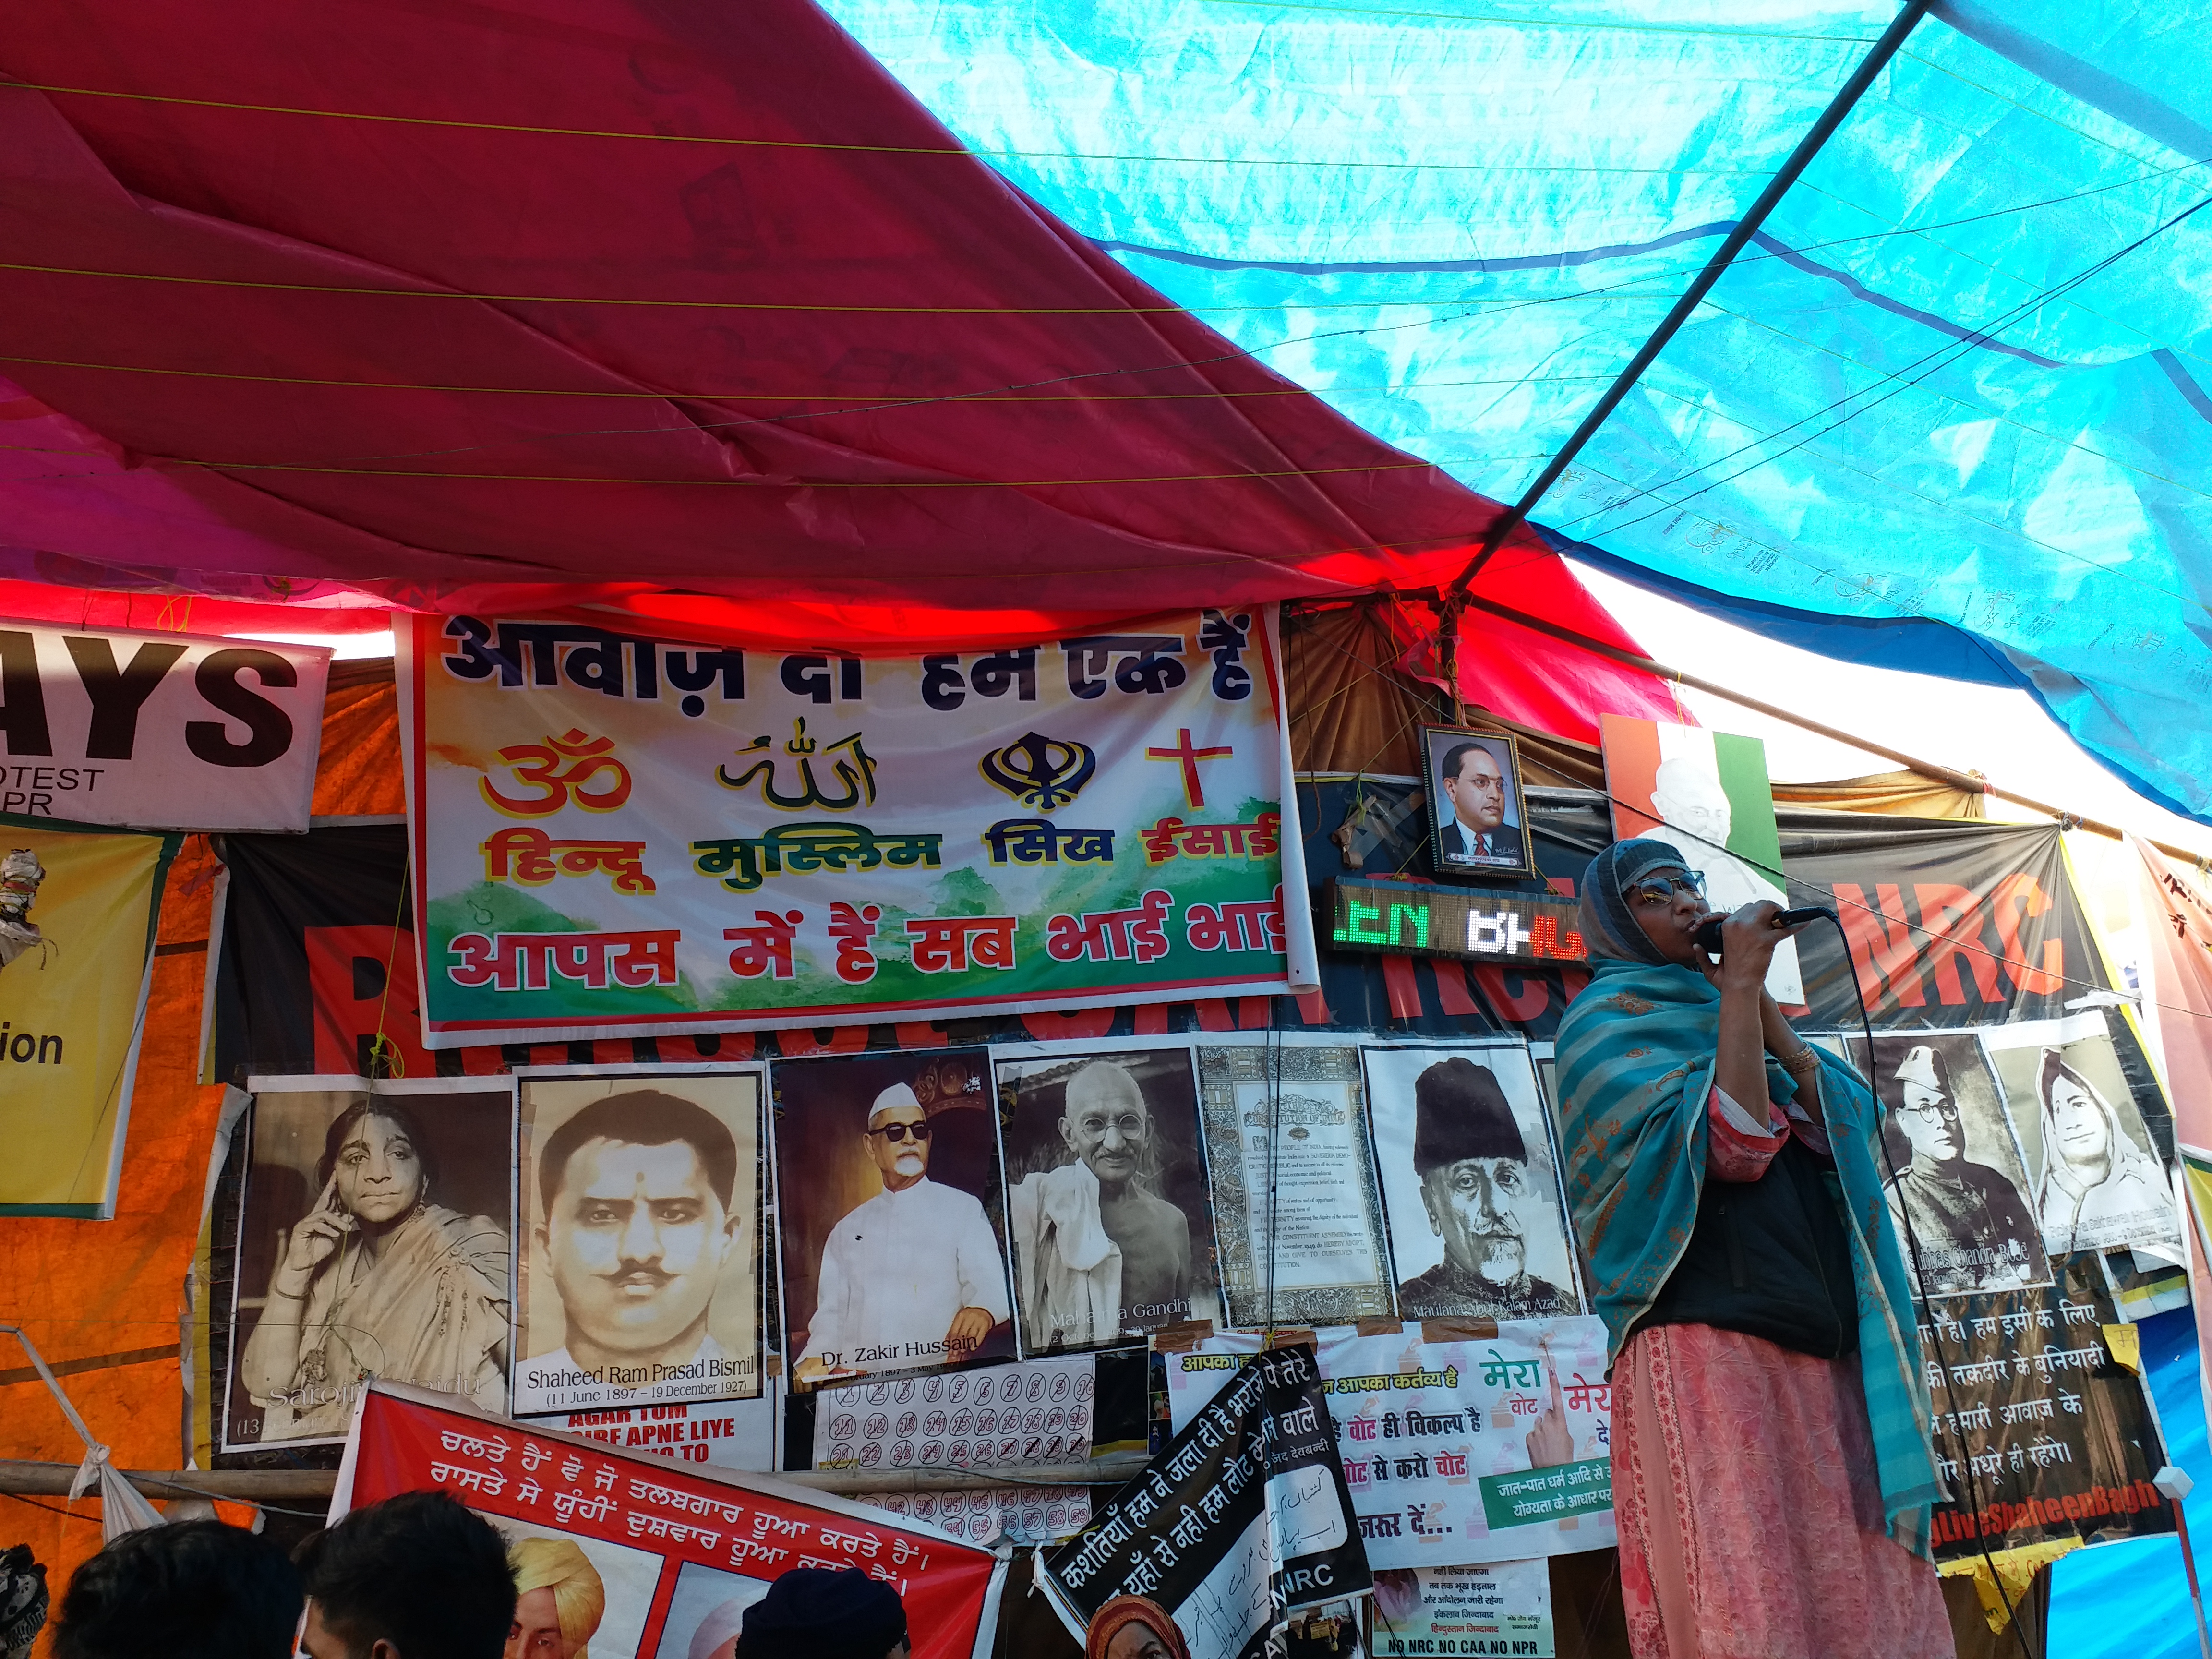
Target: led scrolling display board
column 1485, row 925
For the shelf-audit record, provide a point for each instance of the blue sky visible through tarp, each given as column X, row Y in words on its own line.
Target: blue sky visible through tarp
column 1944, row 385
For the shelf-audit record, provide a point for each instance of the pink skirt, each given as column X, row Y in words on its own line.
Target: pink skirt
column 1751, row 1525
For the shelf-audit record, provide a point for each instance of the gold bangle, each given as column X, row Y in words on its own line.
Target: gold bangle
column 1807, row 1058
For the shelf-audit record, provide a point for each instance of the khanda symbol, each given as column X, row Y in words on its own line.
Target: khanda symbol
column 1039, row 771
column 856, row 770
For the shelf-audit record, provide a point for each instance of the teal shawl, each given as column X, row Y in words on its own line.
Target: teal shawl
column 1636, row 1059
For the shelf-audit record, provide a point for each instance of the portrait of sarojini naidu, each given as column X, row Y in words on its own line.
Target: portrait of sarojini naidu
column 388, row 1266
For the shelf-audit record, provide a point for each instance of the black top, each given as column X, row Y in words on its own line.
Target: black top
column 1770, row 1258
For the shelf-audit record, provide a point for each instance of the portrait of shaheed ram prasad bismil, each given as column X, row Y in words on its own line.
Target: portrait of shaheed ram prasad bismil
column 639, row 1216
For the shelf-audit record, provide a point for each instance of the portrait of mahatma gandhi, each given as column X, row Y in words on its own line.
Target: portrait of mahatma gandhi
column 640, row 1218
column 1477, row 1230
column 1098, row 1251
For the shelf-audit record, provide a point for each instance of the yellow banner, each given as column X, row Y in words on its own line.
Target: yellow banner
column 76, row 936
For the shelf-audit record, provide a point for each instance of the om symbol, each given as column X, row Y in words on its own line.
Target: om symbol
column 542, row 766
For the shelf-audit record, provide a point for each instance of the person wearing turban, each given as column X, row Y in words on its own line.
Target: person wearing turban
column 1772, row 1465
column 1473, row 1169
column 559, row 1600
column 817, row 1612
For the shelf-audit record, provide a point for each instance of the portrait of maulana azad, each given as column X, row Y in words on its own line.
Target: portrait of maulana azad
column 1479, row 1195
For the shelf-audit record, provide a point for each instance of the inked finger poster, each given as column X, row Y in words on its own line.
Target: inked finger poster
column 1295, row 1206
column 1106, row 1195
column 1958, row 1193
column 373, row 1243
column 2098, row 1182
column 1470, row 1183
column 641, row 1281
column 888, row 1210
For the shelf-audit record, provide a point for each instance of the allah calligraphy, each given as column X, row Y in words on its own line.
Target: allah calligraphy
column 1040, row 771
column 854, row 770
column 560, row 767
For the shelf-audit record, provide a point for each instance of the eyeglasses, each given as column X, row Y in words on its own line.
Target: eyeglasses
column 902, row 1131
column 1661, row 890
column 1129, row 1123
column 1932, row 1110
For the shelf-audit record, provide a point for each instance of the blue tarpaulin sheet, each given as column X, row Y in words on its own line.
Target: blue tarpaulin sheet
column 1953, row 405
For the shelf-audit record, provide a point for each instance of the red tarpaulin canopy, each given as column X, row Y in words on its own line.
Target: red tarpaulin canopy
column 685, row 312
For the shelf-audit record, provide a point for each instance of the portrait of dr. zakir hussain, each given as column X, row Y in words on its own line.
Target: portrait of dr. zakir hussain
column 637, row 1190
column 1475, row 1186
column 912, row 1276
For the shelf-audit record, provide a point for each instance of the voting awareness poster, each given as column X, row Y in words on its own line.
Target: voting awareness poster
column 673, row 1554
column 78, row 919
column 615, row 836
column 158, row 731
column 1496, row 1449
column 1240, row 1523
column 640, row 1265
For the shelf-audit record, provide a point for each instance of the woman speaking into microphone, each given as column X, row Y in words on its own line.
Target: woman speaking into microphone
column 1772, row 1468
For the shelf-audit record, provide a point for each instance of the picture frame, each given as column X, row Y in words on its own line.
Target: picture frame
column 1464, row 850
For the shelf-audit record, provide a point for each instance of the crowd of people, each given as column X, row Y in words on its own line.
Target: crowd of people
column 416, row 1577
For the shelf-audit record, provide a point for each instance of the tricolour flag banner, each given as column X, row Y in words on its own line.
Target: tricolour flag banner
column 676, row 1553
column 616, row 835
column 1708, row 793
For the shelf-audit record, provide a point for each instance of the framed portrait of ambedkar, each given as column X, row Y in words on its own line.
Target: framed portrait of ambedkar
column 1478, row 822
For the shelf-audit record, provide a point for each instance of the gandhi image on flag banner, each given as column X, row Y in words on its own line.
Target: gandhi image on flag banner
column 889, row 1195
column 1470, row 1185
column 640, row 1280
column 1106, row 1195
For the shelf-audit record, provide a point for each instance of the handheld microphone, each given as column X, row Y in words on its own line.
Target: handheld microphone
column 1709, row 930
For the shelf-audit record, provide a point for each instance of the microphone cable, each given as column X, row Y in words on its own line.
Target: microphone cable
column 1904, row 1212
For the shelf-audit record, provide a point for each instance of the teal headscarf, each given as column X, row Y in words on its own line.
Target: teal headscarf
column 1636, row 1056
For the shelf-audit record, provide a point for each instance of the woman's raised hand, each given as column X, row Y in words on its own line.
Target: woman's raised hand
column 1748, row 938
column 314, row 1241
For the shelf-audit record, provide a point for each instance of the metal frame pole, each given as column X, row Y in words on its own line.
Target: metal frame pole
column 1747, row 227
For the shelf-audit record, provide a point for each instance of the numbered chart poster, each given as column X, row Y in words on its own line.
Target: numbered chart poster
column 1295, row 1205
column 890, row 1209
column 373, row 1242
column 614, row 835
column 1470, row 1183
column 1106, row 1195
column 640, row 1265
column 1039, row 1411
